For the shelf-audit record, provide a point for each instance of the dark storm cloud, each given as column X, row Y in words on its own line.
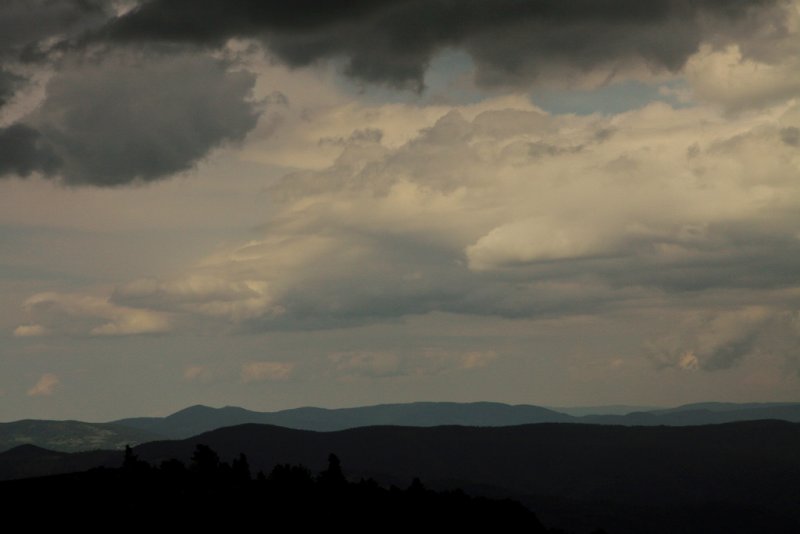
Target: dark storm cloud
column 21, row 152
column 392, row 41
column 122, row 121
column 9, row 83
column 25, row 25
column 29, row 27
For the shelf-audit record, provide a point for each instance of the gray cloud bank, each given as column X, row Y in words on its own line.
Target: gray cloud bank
column 511, row 41
column 116, row 117
column 125, row 120
column 135, row 97
column 28, row 28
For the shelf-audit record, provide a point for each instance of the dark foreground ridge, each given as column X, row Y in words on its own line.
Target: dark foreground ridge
column 210, row 492
column 730, row 478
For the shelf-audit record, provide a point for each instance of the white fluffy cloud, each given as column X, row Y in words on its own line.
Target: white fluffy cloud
column 759, row 69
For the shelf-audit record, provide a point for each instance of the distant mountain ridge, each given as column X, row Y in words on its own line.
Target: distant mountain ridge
column 197, row 419
column 70, row 436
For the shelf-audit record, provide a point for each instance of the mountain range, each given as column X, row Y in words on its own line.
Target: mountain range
column 72, row 436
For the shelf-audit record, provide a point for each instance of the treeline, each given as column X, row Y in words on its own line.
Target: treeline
column 211, row 493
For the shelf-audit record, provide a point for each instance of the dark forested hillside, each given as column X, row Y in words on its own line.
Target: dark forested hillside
column 718, row 478
column 208, row 492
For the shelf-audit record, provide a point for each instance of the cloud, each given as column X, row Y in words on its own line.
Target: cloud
column 470, row 216
column 29, row 28
column 381, row 364
column 22, row 152
column 71, row 314
column 45, row 386
column 9, row 84
column 201, row 294
column 31, row 330
column 127, row 120
column 266, row 372
column 511, row 42
column 725, row 77
column 717, row 340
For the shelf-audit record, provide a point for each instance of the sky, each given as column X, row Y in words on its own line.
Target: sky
column 279, row 204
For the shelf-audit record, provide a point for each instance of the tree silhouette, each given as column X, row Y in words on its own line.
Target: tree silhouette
column 332, row 476
column 240, row 469
column 205, row 461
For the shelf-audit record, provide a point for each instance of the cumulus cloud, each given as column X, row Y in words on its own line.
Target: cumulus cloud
column 71, row 314
column 266, row 372
column 376, row 364
column 726, row 78
column 511, row 42
column 126, row 119
column 470, row 216
column 45, row 386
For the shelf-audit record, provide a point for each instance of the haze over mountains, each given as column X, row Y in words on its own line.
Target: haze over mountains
column 71, row 436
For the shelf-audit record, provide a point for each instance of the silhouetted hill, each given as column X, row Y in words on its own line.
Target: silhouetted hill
column 578, row 476
column 210, row 494
column 732, row 478
column 197, row 419
column 71, row 436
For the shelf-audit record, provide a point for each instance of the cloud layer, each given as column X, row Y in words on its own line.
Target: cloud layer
column 137, row 93
column 515, row 213
column 126, row 120
column 511, row 42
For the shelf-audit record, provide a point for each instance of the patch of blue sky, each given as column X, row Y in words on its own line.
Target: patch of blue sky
column 448, row 80
column 609, row 99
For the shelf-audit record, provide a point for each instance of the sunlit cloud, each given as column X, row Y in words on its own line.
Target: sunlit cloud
column 45, row 386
